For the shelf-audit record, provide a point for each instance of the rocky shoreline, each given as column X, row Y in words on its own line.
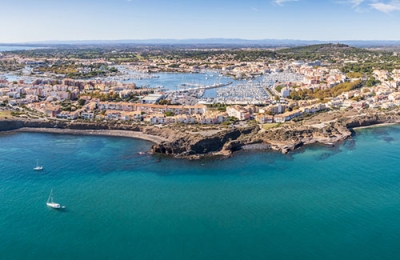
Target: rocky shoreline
column 184, row 143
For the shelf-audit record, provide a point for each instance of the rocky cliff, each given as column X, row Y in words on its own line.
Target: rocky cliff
column 6, row 125
column 180, row 142
column 223, row 142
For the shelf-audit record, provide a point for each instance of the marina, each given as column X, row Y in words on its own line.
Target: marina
column 251, row 93
column 206, row 87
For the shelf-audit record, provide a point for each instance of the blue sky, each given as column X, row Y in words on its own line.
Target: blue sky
column 27, row 20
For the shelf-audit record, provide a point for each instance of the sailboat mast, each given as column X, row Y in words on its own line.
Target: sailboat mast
column 50, row 199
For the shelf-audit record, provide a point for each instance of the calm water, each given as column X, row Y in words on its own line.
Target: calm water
column 16, row 48
column 173, row 81
column 318, row 203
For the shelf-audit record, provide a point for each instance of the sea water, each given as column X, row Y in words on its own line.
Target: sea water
column 340, row 202
column 16, row 48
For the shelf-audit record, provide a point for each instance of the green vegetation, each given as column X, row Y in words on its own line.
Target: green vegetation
column 217, row 107
column 10, row 65
column 17, row 114
column 269, row 126
column 231, row 120
column 112, row 97
column 330, row 52
column 372, row 82
column 252, row 122
column 169, row 113
column 307, row 94
column 164, row 102
column 354, row 75
column 279, row 88
column 5, row 114
column 71, row 60
column 81, row 102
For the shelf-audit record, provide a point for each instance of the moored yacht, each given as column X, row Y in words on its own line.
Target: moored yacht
column 51, row 203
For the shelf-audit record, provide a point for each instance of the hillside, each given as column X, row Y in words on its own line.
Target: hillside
column 323, row 51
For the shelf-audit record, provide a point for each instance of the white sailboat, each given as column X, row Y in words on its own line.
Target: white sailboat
column 38, row 168
column 51, row 203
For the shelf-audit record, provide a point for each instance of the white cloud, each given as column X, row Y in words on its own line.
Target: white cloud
column 386, row 7
column 380, row 5
column 280, row 2
column 355, row 3
column 254, row 9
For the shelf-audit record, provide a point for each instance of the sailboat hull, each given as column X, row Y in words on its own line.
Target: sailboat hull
column 53, row 205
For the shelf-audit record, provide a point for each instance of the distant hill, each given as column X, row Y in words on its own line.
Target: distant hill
column 329, row 48
column 215, row 41
column 322, row 51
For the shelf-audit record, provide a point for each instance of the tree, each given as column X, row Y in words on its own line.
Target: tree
column 372, row 82
column 81, row 102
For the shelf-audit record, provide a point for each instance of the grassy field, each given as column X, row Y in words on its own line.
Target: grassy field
column 269, row 126
column 4, row 114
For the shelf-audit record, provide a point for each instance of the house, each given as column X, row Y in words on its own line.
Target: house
column 155, row 119
column 68, row 115
column 239, row 112
column 212, row 118
column 112, row 115
column 358, row 105
column 87, row 115
column 152, row 98
column 264, row 119
column 131, row 116
column 279, row 119
column 185, row 119
column 51, row 110
column 394, row 96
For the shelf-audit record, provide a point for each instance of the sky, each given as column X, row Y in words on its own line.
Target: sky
column 326, row 20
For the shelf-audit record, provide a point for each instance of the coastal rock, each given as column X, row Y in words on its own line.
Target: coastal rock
column 7, row 125
column 186, row 142
column 223, row 142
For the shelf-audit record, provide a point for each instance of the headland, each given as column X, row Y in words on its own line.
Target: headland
column 193, row 143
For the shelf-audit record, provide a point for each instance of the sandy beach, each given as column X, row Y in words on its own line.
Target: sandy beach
column 121, row 133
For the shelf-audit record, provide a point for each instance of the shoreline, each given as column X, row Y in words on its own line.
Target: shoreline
column 185, row 144
column 375, row 125
column 117, row 133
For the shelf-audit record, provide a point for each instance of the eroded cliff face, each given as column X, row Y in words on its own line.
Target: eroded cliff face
column 371, row 119
column 288, row 139
column 193, row 145
column 183, row 143
column 7, row 125
column 285, row 139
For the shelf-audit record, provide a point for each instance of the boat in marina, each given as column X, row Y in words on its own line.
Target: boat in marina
column 50, row 202
column 38, row 168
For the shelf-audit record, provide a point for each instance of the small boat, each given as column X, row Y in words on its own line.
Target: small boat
column 38, row 168
column 51, row 203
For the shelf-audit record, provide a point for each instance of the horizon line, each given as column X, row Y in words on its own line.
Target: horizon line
column 188, row 39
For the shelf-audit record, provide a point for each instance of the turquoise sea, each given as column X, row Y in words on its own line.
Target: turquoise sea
column 339, row 202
